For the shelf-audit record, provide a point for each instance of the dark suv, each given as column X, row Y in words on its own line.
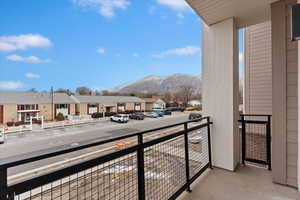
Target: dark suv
column 194, row 116
column 137, row 116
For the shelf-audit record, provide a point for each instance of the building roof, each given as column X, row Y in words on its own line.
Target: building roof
column 35, row 98
column 153, row 100
column 149, row 100
column 108, row 99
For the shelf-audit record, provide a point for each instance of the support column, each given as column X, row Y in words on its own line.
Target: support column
column 220, row 90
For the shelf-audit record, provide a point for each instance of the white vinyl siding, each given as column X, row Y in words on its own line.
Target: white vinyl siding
column 258, row 85
column 292, row 103
column 258, row 69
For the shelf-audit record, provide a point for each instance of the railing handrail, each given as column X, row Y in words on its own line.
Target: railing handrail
column 256, row 115
column 63, row 149
column 10, row 191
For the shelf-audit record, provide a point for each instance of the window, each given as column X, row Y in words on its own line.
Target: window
column 121, row 107
column 137, row 106
column 61, row 106
column 28, row 107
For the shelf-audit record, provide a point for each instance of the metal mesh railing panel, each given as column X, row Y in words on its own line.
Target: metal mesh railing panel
column 164, row 168
column 116, row 179
column 256, row 146
column 198, row 150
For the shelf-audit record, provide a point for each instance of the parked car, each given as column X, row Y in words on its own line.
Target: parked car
column 175, row 109
column 120, row 118
column 137, row 116
column 1, row 138
column 167, row 112
column 194, row 116
column 157, row 109
column 160, row 113
column 152, row 115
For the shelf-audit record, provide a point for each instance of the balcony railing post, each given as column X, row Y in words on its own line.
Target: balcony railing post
column 243, row 139
column 269, row 142
column 187, row 160
column 209, row 143
column 3, row 184
column 141, row 169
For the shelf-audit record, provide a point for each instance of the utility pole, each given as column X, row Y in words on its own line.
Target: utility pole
column 52, row 103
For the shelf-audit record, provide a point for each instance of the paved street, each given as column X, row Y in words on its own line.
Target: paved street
column 23, row 143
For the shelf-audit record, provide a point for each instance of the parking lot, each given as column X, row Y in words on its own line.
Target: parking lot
column 18, row 144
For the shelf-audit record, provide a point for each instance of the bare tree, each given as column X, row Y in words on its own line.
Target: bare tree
column 83, row 91
column 32, row 90
column 66, row 91
column 184, row 94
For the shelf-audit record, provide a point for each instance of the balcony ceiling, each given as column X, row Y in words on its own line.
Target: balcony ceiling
column 246, row 12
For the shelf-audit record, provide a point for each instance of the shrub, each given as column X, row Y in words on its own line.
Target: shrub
column 60, row 117
column 19, row 123
column 35, row 121
column 10, row 123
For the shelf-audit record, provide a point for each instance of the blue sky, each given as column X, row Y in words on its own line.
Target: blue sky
column 95, row 43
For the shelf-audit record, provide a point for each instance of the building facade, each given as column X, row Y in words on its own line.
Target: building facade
column 92, row 104
column 21, row 106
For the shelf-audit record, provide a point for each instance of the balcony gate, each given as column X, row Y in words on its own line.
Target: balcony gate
column 256, row 139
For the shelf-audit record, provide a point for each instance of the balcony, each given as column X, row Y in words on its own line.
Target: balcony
column 163, row 163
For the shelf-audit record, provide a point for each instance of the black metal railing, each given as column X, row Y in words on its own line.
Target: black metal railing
column 256, row 139
column 155, row 166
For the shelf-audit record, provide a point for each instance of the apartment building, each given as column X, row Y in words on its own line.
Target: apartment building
column 91, row 104
column 20, row 106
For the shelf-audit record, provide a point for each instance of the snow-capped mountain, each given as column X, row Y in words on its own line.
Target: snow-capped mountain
column 160, row 85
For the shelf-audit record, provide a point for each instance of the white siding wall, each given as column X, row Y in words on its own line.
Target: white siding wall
column 258, row 69
column 258, row 89
column 292, row 102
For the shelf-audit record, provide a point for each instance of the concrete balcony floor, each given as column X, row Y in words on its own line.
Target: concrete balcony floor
column 247, row 183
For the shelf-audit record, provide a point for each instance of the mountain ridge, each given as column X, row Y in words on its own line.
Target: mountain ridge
column 161, row 84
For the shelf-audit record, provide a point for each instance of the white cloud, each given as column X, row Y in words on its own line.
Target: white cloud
column 185, row 51
column 101, row 51
column 177, row 5
column 180, row 15
column 10, row 85
column 23, row 42
column 152, row 10
column 29, row 59
column 32, row 75
column 135, row 55
column 105, row 8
